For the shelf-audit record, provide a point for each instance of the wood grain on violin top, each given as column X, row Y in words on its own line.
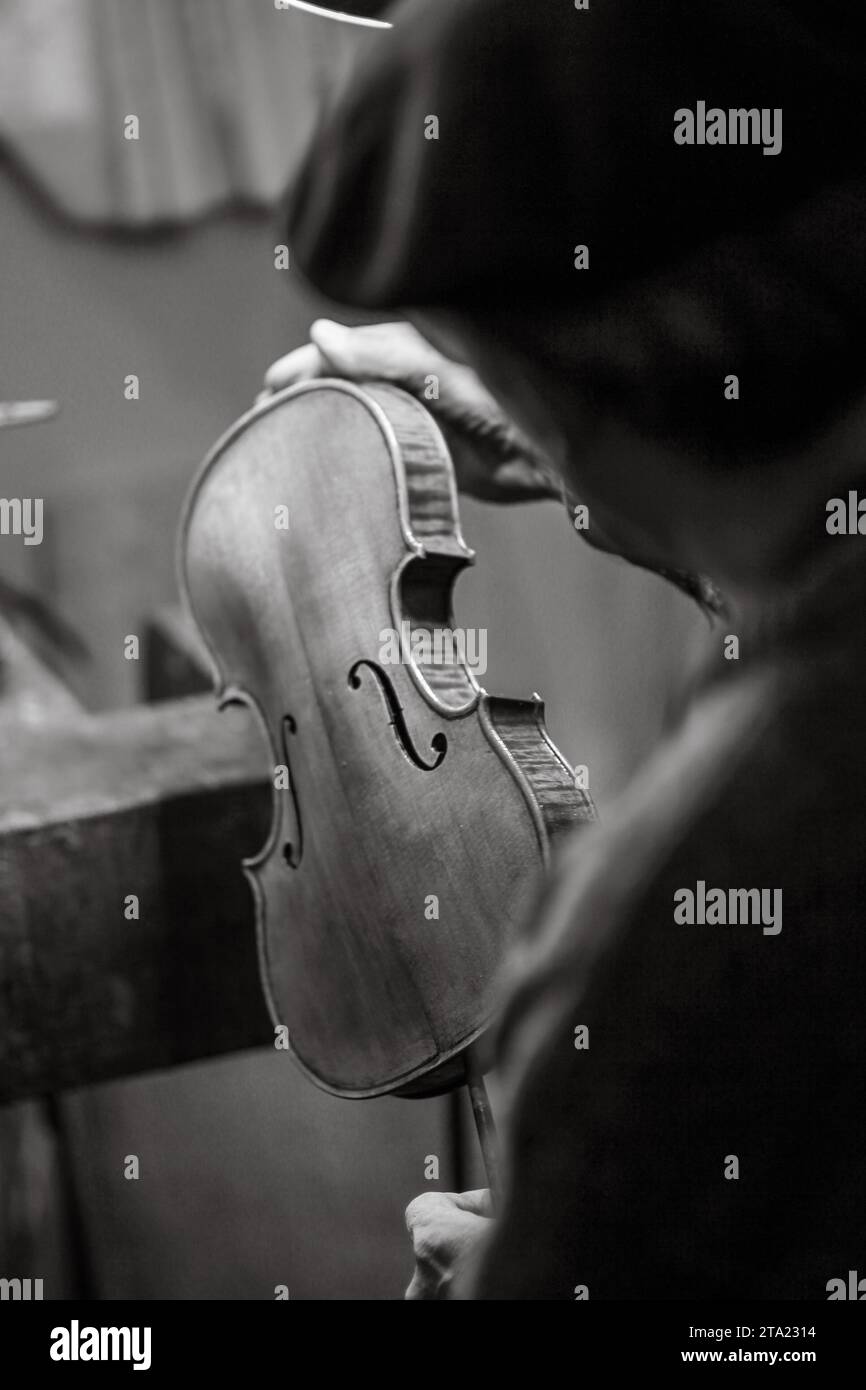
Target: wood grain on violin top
column 412, row 812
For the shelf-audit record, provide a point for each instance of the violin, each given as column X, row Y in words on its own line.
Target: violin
column 410, row 809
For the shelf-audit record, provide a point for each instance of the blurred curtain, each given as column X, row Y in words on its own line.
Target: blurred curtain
column 225, row 92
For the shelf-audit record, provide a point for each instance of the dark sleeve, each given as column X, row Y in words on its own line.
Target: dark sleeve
column 706, row 1043
column 615, row 1151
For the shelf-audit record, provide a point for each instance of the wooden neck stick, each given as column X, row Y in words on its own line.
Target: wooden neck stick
column 485, row 1125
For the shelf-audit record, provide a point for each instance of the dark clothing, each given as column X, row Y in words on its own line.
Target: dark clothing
column 556, row 129
column 707, row 1043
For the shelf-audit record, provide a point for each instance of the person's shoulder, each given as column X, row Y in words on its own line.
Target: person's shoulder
column 612, row 877
column 759, row 790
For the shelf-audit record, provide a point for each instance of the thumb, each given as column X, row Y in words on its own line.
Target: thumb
column 341, row 348
column 477, row 1202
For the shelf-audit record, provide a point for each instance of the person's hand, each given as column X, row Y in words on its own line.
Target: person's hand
column 493, row 459
column 445, row 1227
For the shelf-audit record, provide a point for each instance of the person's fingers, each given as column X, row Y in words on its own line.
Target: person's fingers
column 477, row 1202
column 444, row 1227
column 427, row 1285
column 377, row 351
column 302, row 364
column 431, row 1206
column 492, row 459
column 422, row 1210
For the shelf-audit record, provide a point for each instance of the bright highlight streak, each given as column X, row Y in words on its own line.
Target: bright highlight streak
column 338, row 14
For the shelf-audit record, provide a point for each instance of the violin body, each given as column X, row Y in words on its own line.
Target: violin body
column 411, row 809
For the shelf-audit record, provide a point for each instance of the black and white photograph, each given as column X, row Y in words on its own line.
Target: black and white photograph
column 432, row 676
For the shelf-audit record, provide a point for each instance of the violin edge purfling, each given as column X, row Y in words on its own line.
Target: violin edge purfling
column 420, row 588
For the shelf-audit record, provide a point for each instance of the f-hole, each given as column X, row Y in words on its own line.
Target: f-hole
column 292, row 852
column 397, row 719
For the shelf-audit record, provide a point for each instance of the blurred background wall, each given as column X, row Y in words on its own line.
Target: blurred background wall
column 249, row 1179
